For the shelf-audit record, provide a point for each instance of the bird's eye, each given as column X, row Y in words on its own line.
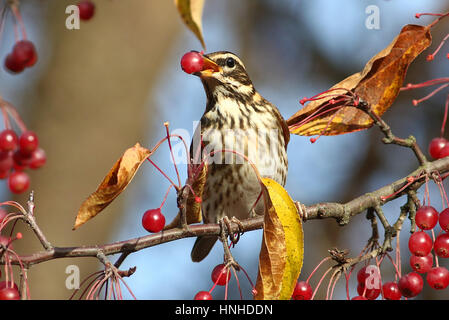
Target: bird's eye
column 230, row 62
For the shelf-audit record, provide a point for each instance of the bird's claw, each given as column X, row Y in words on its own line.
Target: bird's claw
column 226, row 222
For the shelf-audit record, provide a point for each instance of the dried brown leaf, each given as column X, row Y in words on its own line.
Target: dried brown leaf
column 378, row 85
column 113, row 184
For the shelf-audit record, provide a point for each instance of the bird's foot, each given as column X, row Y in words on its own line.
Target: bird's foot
column 225, row 225
column 234, row 237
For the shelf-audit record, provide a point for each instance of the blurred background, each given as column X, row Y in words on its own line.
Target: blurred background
column 97, row 91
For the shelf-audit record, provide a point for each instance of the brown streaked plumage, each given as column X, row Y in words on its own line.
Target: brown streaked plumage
column 236, row 117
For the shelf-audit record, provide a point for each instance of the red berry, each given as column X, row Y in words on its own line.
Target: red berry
column 87, row 9
column 153, row 220
column 438, row 278
column 4, row 174
column 369, row 293
column 12, row 65
column 441, row 245
column 9, row 284
column 444, row 219
column 410, row 285
column 359, row 298
column 23, row 52
column 421, row 264
column 362, row 275
column 435, row 147
column 303, row 291
column 21, row 160
column 9, row 294
column 8, row 140
column 6, row 161
column 38, row 158
column 420, row 244
column 203, row 295
column 426, row 217
column 444, row 152
column 192, row 62
column 32, row 61
column 28, row 142
column 18, row 182
column 220, row 275
column 391, row 291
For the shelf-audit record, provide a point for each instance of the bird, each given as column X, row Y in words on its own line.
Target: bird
column 236, row 118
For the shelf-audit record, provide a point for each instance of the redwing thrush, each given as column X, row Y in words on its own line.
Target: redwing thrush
column 238, row 127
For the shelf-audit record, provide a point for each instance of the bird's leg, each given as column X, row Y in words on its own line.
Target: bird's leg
column 182, row 205
column 229, row 260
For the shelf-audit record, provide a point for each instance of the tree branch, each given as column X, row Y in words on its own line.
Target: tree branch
column 342, row 213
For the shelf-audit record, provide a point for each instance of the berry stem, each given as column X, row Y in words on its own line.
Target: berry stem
column 424, row 84
column 3, row 16
column 319, row 283
column 5, row 118
column 238, row 282
column 117, row 274
column 15, row 10
column 332, row 282
column 398, row 253
column 226, row 286
column 347, row 276
column 316, row 268
column 321, row 111
column 191, row 189
column 378, row 263
column 164, row 174
column 443, row 125
column 14, row 114
column 165, row 197
column 439, row 15
column 416, row 102
column 436, row 257
column 249, row 280
column 440, row 45
column 166, row 124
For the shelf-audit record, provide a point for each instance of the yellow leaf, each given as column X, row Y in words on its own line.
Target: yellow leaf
column 191, row 12
column 113, row 184
column 282, row 251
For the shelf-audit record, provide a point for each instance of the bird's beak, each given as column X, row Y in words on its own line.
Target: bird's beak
column 209, row 68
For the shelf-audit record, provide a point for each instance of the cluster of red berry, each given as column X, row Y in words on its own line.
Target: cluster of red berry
column 421, row 244
column 18, row 154
column 23, row 56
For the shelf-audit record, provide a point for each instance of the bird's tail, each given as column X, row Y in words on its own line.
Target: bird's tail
column 202, row 247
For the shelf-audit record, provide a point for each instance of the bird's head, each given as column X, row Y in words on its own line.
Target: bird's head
column 224, row 72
